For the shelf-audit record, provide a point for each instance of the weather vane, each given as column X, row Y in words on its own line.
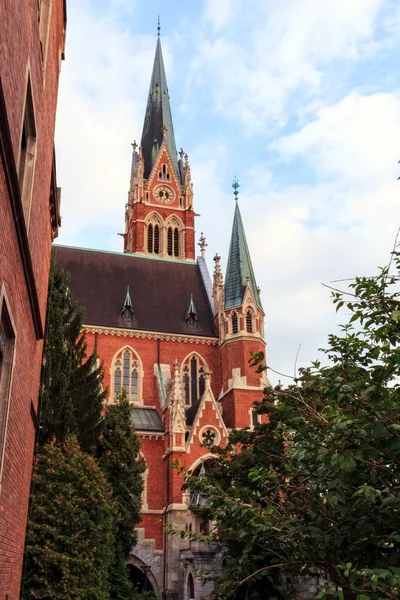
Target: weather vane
column 235, row 186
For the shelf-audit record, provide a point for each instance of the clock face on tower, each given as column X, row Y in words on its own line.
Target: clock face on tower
column 163, row 194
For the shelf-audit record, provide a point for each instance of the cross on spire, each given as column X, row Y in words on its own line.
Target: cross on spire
column 158, row 26
column 235, row 186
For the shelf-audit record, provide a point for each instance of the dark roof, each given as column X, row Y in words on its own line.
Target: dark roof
column 239, row 266
column 159, row 290
column 158, row 115
column 146, row 419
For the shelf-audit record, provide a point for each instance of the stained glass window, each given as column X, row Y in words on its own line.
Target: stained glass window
column 176, row 242
column 127, row 375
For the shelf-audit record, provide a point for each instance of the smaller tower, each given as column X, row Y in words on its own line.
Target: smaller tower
column 239, row 318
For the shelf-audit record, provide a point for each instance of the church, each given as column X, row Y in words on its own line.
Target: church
column 177, row 339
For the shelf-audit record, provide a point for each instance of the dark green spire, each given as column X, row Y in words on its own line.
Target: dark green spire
column 158, row 116
column 128, row 302
column 239, row 270
column 192, row 309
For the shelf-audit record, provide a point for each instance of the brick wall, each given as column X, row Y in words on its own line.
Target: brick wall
column 24, row 255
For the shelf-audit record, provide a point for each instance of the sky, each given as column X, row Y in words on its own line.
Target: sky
column 300, row 99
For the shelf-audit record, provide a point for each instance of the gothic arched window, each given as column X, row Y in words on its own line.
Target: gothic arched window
column 235, row 323
column 190, row 587
column 249, row 322
column 193, row 379
column 126, row 375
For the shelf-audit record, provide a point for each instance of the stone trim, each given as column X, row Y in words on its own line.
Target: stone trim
column 150, row 335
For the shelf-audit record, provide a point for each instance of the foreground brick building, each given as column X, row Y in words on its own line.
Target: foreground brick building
column 31, row 48
column 178, row 342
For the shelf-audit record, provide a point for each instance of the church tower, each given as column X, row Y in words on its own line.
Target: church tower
column 239, row 318
column 159, row 217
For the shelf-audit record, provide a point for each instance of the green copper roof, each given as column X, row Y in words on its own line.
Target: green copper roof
column 158, row 115
column 239, row 268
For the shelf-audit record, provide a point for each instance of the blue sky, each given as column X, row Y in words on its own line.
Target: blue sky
column 300, row 99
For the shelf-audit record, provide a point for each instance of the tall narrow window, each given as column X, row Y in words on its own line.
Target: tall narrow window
column 235, row 327
column 150, row 238
column 176, row 242
column 190, row 587
column 27, row 153
column 156, row 239
column 127, row 375
column 249, row 322
column 7, row 343
column 169, row 241
column 193, row 380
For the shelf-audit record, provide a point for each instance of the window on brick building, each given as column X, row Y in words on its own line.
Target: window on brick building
column 27, row 153
column 193, row 379
column 249, row 321
column 255, row 418
column 7, row 344
column 235, row 323
column 126, row 375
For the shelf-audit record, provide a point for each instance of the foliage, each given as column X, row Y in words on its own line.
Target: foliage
column 72, row 397
column 117, row 453
column 317, row 490
column 70, row 529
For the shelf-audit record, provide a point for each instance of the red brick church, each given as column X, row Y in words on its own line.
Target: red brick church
column 175, row 339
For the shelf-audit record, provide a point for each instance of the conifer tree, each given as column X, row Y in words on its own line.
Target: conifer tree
column 118, row 456
column 69, row 543
column 72, row 396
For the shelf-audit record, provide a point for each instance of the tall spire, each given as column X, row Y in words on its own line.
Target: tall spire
column 158, row 118
column 239, row 271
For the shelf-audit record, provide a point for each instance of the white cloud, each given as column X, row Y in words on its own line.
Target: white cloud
column 356, row 139
column 271, row 50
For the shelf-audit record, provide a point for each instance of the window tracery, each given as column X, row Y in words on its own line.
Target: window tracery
column 126, row 375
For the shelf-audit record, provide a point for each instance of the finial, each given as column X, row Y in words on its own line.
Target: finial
column 158, row 27
column 202, row 244
column 181, row 154
column 235, row 186
column 134, row 145
column 164, row 130
column 258, row 290
column 248, row 278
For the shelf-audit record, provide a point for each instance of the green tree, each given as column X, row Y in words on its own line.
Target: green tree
column 118, row 455
column 69, row 543
column 317, row 489
column 72, row 397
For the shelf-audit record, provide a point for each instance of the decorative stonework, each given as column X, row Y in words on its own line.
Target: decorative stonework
column 150, row 335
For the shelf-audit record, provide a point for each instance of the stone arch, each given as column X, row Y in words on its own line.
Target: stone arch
column 153, row 234
column 174, row 237
column 189, row 583
column 113, row 368
column 137, row 563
